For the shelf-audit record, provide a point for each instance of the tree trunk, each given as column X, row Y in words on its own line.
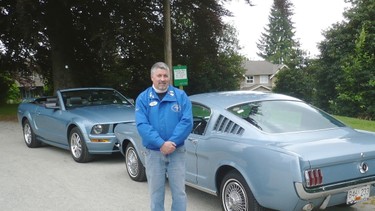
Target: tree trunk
column 59, row 29
column 61, row 72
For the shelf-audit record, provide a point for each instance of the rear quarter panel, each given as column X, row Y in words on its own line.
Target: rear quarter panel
column 269, row 172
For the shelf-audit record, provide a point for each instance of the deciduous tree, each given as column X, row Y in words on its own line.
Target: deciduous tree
column 114, row 43
column 345, row 80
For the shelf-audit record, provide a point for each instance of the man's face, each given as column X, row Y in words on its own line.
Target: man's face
column 160, row 79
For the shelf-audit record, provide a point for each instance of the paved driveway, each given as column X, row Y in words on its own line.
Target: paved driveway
column 47, row 178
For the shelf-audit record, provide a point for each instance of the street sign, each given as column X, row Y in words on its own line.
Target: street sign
column 180, row 75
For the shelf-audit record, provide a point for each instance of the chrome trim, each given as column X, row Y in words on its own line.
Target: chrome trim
column 323, row 191
column 201, row 189
column 323, row 206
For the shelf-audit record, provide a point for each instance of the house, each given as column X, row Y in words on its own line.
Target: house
column 31, row 86
column 260, row 75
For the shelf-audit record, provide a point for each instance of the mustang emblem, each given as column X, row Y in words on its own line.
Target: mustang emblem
column 363, row 167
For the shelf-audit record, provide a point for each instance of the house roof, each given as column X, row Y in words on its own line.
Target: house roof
column 261, row 67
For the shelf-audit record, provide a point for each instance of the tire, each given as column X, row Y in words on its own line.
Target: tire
column 235, row 194
column 29, row 135
column 345, row 205
column 78, row 147
column 134, row 166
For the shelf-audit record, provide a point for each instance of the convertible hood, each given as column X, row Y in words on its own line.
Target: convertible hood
column 332, row 147
column 106, row 113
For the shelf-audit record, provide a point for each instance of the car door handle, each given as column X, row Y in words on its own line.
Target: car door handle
column 193, row 140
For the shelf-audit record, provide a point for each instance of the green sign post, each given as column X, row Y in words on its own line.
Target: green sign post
column 180, row 76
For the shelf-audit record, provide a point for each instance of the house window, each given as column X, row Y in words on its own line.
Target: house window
column 249, row 79
column 263, row 79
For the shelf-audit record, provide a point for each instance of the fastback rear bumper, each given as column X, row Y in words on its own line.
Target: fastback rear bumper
column 326, row 190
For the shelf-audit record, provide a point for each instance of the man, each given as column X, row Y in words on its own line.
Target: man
column 164, row 120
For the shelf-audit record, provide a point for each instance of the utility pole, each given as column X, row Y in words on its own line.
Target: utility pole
column 167, row 38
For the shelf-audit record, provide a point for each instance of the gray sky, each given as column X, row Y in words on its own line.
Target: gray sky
column 310, row 18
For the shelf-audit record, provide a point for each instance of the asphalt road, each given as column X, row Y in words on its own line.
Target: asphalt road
column 47, row 178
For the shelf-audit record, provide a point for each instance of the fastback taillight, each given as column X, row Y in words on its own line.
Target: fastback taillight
column 314, row 177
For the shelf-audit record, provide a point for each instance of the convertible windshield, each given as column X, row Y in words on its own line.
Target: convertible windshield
column 284, row 116
column 79, row 98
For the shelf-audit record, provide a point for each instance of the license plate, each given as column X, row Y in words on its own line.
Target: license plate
column 358, row 194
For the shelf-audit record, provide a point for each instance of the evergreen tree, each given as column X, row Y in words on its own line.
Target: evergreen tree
column 277, row 43
column 278, row 46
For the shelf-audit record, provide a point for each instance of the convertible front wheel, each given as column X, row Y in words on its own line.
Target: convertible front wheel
column 78, row 147
column 134, row 166
column 29, row 135
column 236, row 195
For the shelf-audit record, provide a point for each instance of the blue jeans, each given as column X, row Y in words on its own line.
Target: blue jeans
column 157, row 166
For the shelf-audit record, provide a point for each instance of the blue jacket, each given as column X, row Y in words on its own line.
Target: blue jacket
column 159, row 121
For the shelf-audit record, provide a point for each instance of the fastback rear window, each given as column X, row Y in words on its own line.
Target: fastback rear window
column 284, row 116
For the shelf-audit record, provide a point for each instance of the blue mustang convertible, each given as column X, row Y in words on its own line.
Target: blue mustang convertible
column 81, row 120
column 262, row 151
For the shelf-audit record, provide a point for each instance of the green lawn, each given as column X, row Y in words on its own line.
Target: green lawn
column 8, row 112
column 358, row 123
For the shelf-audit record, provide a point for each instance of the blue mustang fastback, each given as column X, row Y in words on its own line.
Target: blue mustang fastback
column 264, row 151
column 81, row 120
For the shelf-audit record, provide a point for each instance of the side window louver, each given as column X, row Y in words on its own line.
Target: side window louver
column 225, row 125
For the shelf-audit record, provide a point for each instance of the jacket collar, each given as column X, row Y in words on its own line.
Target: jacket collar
column 170, row 95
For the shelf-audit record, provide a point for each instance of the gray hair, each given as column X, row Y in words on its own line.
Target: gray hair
column 159, row 65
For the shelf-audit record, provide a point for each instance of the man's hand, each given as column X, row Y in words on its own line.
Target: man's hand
column 168, row 147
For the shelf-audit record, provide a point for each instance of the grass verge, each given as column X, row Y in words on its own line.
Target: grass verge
column 358, row 123
column 8, row 112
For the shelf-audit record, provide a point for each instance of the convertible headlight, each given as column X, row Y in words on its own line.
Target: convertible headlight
column 99, row 129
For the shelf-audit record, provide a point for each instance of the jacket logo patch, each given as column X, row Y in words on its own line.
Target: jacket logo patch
column 176, row 108
column 153, row 103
